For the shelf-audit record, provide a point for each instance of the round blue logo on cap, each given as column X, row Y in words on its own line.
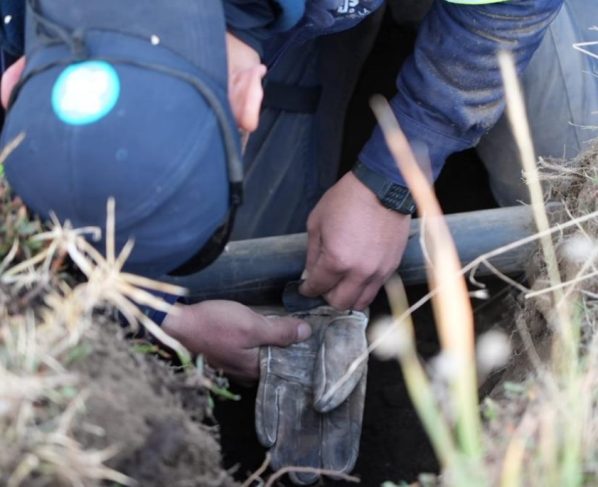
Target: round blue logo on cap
column 85, row 92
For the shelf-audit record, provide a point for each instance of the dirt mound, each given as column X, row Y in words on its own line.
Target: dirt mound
column 573, row 184
column 79, row 403
column 544, row 400
column 149, row 412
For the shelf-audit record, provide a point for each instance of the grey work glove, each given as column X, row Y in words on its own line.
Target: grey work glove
column 303, row 414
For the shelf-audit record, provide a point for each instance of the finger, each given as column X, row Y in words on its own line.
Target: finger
column 320, row 279
column 314, row 245
column 347, row 292
column 368, row 295
column 243, row 367
column 280, row 331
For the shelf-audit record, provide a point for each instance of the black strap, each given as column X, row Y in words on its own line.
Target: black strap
column 289, row 98
column 391, row 195
column 294, row 301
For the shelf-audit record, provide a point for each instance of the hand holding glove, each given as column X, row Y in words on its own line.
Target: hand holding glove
column 354, row 245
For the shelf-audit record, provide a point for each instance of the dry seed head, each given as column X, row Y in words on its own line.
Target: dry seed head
column 493, row 350
column 391, row 337
column 5, row 407
column 479, row 294
column 579, row 248
column 446, row 366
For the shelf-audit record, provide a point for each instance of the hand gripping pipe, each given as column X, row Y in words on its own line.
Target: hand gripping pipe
column 255, row 271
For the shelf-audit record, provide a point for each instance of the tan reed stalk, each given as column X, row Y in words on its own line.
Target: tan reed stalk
column 452, row 308
column 565, row 359
column 566, row 348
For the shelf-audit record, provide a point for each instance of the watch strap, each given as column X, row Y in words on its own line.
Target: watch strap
column 391, row 195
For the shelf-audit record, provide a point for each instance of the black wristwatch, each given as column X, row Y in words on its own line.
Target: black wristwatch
column 390, row 194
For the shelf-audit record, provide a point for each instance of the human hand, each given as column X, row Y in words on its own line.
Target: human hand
column 9, row 79
column 245, row 92
column 354, row 245
column 229, row 335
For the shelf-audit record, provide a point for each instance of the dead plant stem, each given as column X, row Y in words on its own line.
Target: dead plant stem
column 516, row 110
column 320, row 471
column 452, row 307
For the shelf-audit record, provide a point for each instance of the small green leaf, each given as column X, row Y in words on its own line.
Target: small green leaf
column 69, row 392
column 27, row 228
column 145, row 348
column 77, row 353
column 490, row 409
column 224, row 393
column 514, row 388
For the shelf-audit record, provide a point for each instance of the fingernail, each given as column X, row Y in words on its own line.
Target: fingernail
column 303, row 331
column 304, row 275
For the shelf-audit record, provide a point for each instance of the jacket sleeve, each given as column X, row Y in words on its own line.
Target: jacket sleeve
column 251, row 20
column 255, row 21
column 450, row 90
column 12, row 27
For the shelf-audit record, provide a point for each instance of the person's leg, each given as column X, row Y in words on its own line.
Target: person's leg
column 293, row 157
column 279, row 156
column 561, row 89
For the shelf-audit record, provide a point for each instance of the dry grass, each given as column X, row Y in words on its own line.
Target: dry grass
column 43, row 317
column 542, row 431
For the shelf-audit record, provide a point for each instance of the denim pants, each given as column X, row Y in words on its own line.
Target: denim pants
column 294, row 157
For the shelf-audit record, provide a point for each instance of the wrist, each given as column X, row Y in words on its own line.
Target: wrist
column 180, row 320
column 390, row 194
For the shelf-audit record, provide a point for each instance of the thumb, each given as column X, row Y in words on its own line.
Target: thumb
column 314, row 245
column 282, row 331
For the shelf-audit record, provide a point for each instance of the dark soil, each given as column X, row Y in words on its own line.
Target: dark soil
column 149, row 412
column 393, row 444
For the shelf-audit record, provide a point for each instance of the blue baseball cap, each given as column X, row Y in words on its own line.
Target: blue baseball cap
column 127, row 100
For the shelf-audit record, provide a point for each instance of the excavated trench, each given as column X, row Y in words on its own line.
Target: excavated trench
column 168, row 446
column 393, row 444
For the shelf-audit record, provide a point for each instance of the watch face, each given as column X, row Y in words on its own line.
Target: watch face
column 399, row 199
column 390, row 194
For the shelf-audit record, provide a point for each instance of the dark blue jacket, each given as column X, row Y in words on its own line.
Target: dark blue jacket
column 449, row 91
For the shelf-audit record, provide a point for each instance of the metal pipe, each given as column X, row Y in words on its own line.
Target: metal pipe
column 256, row 270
